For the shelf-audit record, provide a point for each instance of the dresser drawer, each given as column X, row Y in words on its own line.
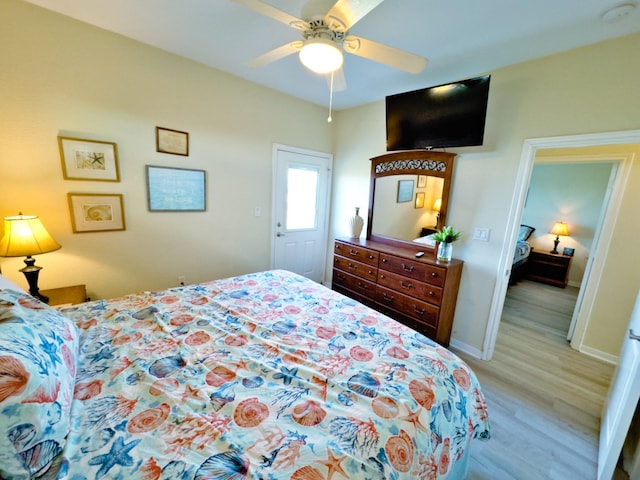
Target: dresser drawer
column 360, row 254
column 359, row 285
column 411, row 287
column 410, row 268
column 356, row 268
column 409, row 306
column 424, row 328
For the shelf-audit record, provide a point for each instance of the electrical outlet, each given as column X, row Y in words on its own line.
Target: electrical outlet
column 181, row 280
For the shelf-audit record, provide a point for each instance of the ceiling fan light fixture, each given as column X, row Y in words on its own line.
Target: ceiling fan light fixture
column 321, row 55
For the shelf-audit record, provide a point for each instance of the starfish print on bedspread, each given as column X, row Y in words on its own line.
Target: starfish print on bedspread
column 334, row 464
column 118, row 455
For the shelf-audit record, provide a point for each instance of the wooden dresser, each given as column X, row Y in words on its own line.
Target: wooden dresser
column 418, row 292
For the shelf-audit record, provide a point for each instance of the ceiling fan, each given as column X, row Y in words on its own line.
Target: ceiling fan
column 326, row 35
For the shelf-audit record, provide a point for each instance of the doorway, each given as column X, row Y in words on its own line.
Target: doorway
column 573, row 188
column 301, row 184
column 595, row 267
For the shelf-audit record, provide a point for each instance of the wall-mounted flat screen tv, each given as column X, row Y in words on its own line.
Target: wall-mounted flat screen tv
column 451, row 115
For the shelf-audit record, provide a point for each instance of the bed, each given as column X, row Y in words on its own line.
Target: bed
column 262, row 376
column 521, row 254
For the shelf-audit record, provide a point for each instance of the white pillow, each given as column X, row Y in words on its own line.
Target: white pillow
column 6, row 284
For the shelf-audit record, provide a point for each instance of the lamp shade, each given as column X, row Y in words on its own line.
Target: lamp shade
column 321, row 55
column 437, row 205
column 560, row 228
column 24, row 235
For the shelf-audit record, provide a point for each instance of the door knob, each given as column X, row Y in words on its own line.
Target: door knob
column 633, row 336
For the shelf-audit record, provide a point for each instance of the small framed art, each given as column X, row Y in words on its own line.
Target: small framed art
column 176, row 189
column 405, row 191
column 419, row 200
column 172, row 141
column 96, row 212
column 568, row 251
column 84, row 159
column 422, row 181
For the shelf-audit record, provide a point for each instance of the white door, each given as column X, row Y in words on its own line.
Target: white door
column 624, row 393
column 300, row 211
column 594, row 249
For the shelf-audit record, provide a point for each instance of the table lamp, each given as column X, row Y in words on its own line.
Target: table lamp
column 25, row 235
column 437, row 205
column 559, row 228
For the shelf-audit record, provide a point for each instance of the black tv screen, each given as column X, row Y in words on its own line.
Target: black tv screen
column 450, row 115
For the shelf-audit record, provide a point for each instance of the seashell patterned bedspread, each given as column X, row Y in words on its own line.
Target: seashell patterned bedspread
column 263, row 376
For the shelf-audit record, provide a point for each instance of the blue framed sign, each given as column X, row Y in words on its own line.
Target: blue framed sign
column 405, row 191
column 176, row 189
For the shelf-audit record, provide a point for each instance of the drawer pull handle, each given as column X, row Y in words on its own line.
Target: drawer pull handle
column 384, row 260
column 434, row 275
column 407, row 268
column 420, row 311
column 388, row 298
column 352, row 266
column 406, row 286
column 370, row 257
column 363, row 286
column 353, row 252
column 341, row 277
column 431, row 294
column 370, row 272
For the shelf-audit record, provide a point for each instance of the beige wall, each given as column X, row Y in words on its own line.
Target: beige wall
column 61, row 77
column 583, row 91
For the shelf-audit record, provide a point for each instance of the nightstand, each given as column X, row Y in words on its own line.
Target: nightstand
column 548, row 268
column 66, row 295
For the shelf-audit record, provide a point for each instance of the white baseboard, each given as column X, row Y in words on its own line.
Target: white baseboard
column 600, row 355
column 464, row 348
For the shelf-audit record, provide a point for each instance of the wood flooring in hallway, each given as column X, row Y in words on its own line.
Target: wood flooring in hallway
column 544, row 397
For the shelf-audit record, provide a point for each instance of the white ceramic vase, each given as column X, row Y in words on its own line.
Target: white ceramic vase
column 356, row 222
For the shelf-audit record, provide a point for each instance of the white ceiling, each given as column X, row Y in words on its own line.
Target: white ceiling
column 460, row 38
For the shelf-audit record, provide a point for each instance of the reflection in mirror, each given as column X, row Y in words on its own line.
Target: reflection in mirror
column 409, row 195
column 393, row 217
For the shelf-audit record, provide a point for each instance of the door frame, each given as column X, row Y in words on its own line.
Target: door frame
column 329, row 157
column 527, row 160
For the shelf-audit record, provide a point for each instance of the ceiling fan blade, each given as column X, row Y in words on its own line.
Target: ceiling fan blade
column 390, row 56
column 274, row 13
column 346, row 13
column 275, row 54
column 339, row 80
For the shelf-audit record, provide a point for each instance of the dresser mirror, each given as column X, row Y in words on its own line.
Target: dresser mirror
column 409, row 195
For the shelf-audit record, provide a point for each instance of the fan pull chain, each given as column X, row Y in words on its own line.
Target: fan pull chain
column 330, row 98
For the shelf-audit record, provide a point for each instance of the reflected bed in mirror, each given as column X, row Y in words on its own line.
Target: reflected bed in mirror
column 409, row 195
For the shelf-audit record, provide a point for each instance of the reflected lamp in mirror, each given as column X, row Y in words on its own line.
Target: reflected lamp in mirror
column 24, row 235
column 559, row 229
column 436, row 208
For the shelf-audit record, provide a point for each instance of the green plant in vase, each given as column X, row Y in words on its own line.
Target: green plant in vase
column 445, row 239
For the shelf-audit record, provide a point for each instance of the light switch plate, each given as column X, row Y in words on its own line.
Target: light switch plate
column 481, row 234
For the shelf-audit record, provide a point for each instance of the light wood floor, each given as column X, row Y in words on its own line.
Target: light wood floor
column 544, row 398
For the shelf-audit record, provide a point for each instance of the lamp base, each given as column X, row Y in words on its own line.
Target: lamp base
column 31, row 272
column 555, row 246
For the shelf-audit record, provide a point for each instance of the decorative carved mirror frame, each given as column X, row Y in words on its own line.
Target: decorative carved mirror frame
column 412, row 162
